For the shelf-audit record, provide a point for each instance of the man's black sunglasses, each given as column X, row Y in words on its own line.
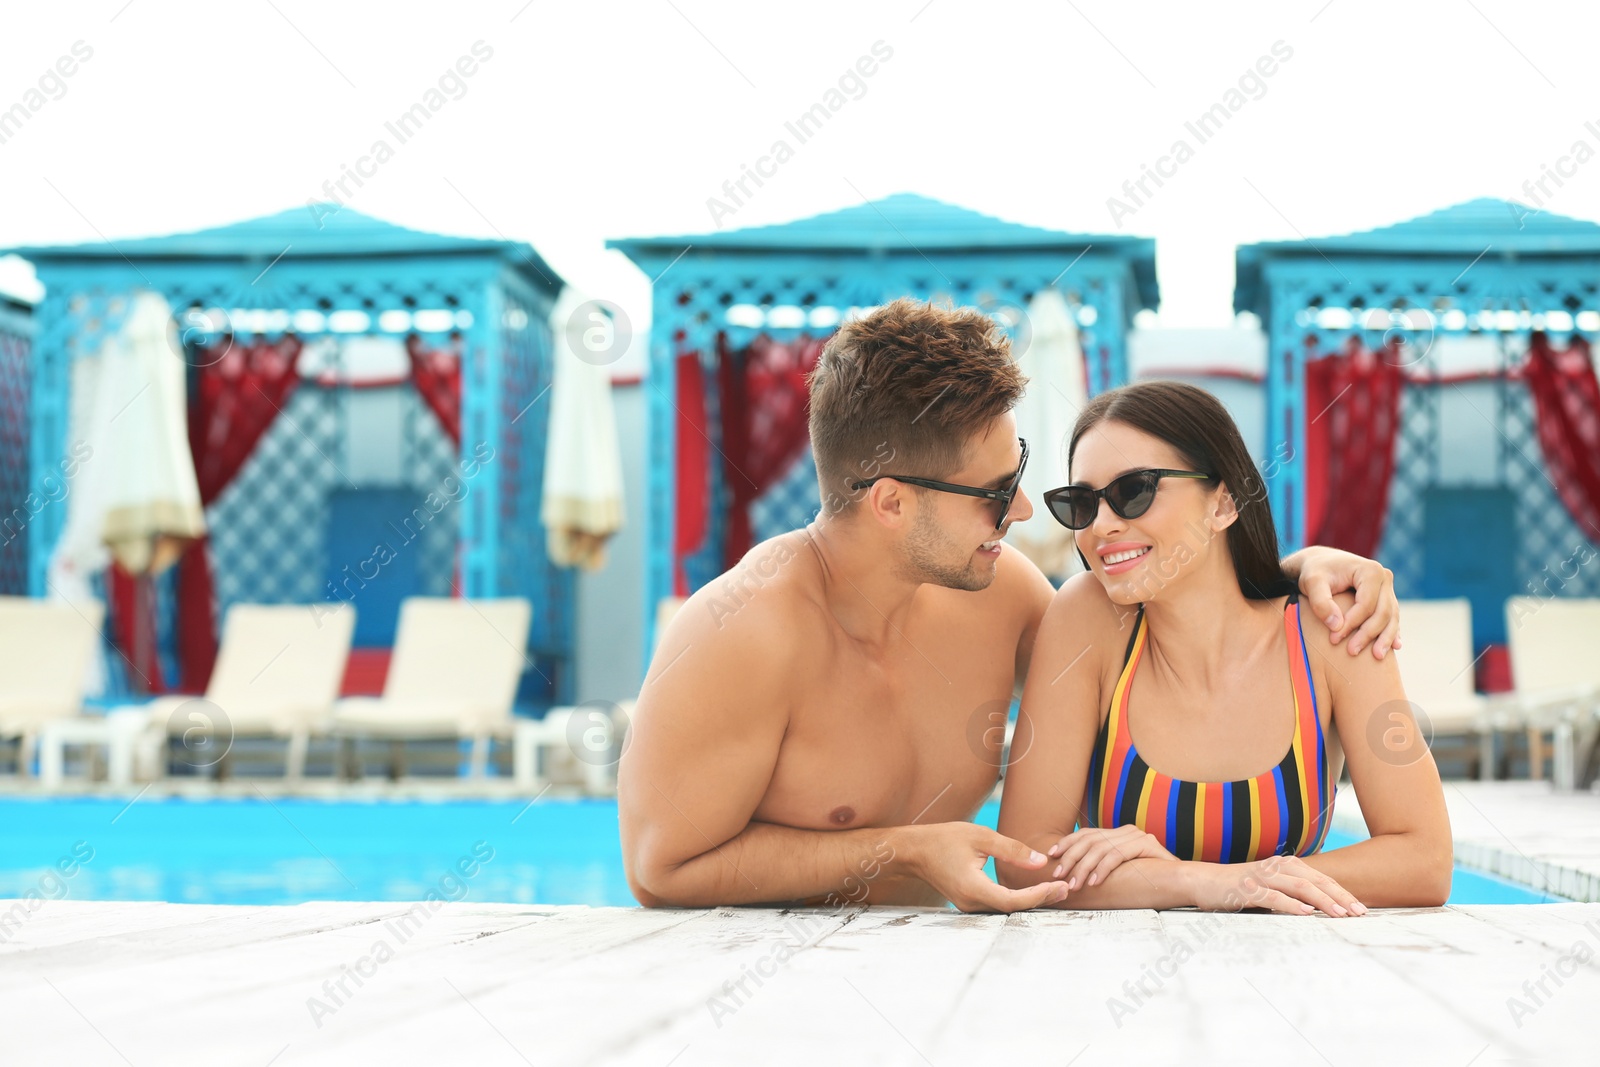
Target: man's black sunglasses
column 1004, row 496
column 1075, row 506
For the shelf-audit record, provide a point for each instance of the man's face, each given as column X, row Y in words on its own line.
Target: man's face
column 953, row 541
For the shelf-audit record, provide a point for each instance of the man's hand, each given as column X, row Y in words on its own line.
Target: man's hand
column 1374, row 619
column 950, row 858
column 1284, row 884
column 1087, row 855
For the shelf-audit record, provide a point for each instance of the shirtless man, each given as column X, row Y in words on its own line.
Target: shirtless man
column 821, row 722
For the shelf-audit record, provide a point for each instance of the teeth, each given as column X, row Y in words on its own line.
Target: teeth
column 1123, row 557
column 990, row 545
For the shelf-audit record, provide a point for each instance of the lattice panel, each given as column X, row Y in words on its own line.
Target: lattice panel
column 1552, row 549
column 1416, row 468
column 430, row 459
column 701, row 294
column 701, row 567
column 14, row 418
column 268, row 527
column 791, row 503
column 524, row 565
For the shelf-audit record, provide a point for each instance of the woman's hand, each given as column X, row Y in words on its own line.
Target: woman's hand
column 1089, row 854
column 1284, row 884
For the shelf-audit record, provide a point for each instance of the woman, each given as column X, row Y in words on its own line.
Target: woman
column 1179, row 707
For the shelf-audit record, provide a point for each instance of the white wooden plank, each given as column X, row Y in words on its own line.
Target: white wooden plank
column 513, row 984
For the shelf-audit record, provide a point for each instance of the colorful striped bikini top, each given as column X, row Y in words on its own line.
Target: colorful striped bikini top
column 1284, row 811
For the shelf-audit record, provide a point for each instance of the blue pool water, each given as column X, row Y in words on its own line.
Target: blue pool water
column 250, row 851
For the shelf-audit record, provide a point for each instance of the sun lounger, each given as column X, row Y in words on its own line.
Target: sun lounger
column 45, row 651
column 276, row 676
column 453, row 676
column 1555, row 664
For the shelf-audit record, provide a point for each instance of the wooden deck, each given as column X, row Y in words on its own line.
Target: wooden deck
column 116, row 983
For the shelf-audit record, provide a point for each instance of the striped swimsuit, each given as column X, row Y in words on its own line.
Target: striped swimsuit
column 1284, row 811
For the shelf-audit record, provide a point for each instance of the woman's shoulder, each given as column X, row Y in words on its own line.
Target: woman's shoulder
column 1313, row 628
column 1082, row 611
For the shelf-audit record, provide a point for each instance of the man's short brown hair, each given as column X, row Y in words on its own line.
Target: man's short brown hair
column 902, row 389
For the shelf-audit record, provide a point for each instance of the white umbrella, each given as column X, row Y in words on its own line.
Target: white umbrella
column 134, row 497
column 582, row 505
column 1053, row 362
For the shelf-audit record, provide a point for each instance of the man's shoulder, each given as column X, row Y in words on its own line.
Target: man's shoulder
column 765, row 609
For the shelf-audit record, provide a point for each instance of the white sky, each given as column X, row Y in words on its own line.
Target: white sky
column 601, row 120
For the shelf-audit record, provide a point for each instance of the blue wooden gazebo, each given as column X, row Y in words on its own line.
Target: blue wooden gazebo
column 1494, row 271
column 800, row 278
column 319, row 482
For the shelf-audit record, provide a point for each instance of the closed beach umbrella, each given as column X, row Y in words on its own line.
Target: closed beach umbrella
column 153, row 501
column 133, row 498
column 582, row 506
column 1053, row 362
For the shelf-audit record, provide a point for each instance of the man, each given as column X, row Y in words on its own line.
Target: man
column 819, row 723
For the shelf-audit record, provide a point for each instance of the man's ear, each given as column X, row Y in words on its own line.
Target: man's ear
column 888, row 502
column 1224, row 510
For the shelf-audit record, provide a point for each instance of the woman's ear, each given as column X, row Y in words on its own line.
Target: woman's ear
column 1224, row 509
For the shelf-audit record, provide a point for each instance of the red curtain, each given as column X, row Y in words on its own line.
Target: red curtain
column 437, row 375
column 1567, row 398
column 765, row 408
column 692, row 468
column 239, row 391
column 1352, row 417
column 133, row 626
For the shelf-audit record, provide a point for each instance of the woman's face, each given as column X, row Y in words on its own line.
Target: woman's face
column 1135, row 559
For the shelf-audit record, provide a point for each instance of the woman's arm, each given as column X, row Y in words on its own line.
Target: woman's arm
column 1056, row 726
column 1407, row 861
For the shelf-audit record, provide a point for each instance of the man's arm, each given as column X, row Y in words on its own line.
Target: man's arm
column 1373, row 621
column 705, row 740
column 703, row 746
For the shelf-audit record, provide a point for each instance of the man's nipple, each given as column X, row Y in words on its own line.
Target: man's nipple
column 843, row 815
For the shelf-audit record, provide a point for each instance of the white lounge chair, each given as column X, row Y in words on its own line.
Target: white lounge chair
column 1436, row 667
column 45, row 650
column 1555, row 664
column 453, row 675
column 277, row 676
column 591, row 734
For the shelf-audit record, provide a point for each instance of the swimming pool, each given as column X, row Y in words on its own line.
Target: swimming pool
column 284, row 851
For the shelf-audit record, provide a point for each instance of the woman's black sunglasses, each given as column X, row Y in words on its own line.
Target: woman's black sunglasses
column 1003, row 497
column 1075, row 506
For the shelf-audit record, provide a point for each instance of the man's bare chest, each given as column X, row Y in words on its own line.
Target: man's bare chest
column 879, row 744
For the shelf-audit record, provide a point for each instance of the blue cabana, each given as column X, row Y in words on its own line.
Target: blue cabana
column 1473, row 303
column 790, row 284
column 349, row 456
